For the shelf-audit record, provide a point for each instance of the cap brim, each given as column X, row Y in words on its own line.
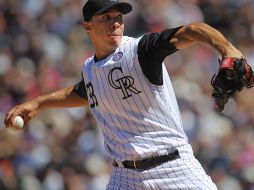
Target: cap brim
column 123, row 7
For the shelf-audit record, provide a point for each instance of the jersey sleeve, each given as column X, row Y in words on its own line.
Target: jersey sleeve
column 152, row 50
column 80, row 89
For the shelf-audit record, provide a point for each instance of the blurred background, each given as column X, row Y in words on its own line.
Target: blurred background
column 42, row 49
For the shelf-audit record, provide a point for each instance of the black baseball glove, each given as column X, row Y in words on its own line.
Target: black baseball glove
column 234, row 74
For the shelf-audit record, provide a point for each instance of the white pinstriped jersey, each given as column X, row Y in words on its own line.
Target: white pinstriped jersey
column 138, row 118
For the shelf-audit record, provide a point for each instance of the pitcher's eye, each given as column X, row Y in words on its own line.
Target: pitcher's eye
column 120, row 16
column 105, row 17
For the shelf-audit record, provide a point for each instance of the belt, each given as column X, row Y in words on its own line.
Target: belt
column 148, row 163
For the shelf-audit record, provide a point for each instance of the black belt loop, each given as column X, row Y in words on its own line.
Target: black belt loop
column 148, row 163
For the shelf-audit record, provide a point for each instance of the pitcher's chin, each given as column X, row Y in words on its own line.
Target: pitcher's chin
column 115, row 40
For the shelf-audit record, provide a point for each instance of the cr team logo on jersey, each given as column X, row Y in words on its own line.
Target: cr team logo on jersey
column 123, row 83
column 117, row 81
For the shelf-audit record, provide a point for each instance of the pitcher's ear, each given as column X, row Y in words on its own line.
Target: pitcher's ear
column 86, row 26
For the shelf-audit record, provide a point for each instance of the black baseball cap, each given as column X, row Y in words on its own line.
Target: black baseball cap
column 95, row 7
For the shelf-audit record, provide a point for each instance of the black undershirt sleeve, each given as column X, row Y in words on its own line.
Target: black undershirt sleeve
column 80, row 88
column 152, row 50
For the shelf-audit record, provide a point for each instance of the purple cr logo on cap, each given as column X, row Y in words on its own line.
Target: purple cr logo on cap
column 117, row 56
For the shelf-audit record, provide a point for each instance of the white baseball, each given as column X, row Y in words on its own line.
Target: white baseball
column 18, row 122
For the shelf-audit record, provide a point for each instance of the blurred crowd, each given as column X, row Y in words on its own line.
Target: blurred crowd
column 42, row 49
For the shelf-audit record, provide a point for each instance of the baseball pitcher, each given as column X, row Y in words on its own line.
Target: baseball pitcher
column 130, row 94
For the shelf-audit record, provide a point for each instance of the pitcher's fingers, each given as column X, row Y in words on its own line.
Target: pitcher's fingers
column 7, row 120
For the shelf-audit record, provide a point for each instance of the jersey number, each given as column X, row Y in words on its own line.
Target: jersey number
column 91, row 95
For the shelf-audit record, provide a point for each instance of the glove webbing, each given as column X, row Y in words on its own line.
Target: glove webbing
column 220, row 95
